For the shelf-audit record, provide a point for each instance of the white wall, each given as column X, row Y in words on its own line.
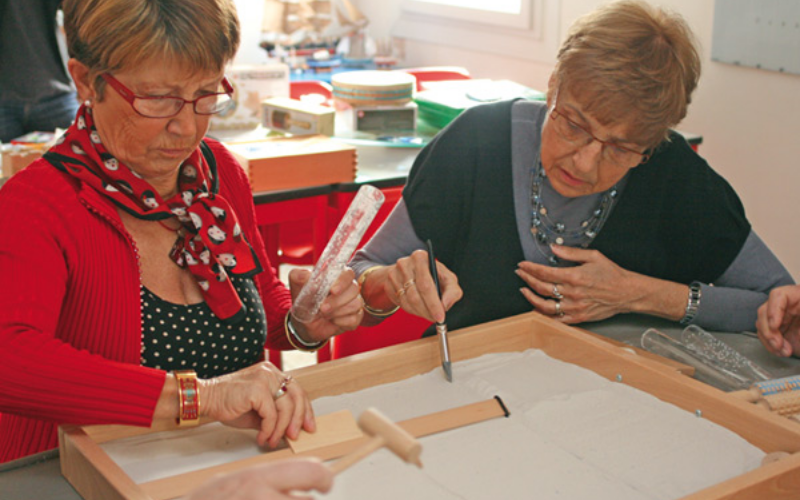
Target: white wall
column 749, row 118
column 250, row 13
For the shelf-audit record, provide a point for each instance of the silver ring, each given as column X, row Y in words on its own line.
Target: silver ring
column 558, row 309
column 556, row 294
column 282, row 389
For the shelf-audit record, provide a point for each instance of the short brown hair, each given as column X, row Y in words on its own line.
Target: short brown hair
column 629, row 60
column 111, row 35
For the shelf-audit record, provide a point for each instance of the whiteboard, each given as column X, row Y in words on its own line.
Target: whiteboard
column 763, row 34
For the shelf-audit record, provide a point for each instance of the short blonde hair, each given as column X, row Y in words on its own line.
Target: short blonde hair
column 631, row 61
column 112, row 35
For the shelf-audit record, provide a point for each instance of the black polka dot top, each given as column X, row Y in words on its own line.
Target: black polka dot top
column 181, row 337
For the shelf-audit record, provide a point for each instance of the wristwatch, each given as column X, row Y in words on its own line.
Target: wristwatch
column 693, row 304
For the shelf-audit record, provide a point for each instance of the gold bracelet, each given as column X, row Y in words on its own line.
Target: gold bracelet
column 378, row 313
column 363, row 277
column 188, row 398
column 296, row 341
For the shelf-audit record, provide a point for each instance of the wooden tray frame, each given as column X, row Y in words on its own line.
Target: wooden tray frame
column 97, row 477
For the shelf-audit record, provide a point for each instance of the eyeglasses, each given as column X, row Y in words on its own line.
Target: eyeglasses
column 579, row 136
column 168, row 106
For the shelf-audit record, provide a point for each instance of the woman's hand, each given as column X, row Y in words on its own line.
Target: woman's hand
column 778, row 321
column 409, row 284
column 341, row 311
column 270, row 481
column 597, row 289
column 250, row 398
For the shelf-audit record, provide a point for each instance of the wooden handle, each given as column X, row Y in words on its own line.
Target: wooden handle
column 397, row 439
column 386, row 433
column 351, row 458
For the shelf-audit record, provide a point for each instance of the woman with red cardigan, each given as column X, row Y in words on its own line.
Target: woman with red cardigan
column 134, row 285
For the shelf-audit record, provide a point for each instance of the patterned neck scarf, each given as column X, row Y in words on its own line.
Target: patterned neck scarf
column 210, row 242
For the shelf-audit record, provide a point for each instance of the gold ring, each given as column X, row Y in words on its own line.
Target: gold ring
column 558, row 309
column 408, row 284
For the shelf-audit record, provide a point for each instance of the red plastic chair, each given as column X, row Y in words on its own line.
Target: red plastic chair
column 437, row 74
column 298, row 89
column 399, row 328
column 294, row 232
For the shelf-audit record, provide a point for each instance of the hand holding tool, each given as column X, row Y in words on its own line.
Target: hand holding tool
column 441, row 328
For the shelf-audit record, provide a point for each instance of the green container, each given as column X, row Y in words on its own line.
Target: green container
column 443, row 101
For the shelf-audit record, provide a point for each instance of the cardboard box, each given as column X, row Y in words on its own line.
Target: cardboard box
column 385, row 119
column 15, row 157
column 294, row 162
column 24, row 150
column 251, row 85
column 297, row 117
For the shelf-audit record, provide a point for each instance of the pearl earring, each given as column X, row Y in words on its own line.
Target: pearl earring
column 87, row 103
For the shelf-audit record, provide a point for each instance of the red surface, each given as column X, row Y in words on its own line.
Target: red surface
column 396, row 329
column 437, row 74
column 298, row 89
column 296, row 232
column 401, row 326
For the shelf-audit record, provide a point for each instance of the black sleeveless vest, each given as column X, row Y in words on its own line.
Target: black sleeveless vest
column 676, row 219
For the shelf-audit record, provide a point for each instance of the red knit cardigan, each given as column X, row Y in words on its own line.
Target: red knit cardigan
column 70, row 308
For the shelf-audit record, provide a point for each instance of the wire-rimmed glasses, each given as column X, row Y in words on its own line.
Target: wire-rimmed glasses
column 579, row 136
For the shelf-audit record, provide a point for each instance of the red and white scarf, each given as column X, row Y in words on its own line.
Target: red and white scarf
column 210, row 243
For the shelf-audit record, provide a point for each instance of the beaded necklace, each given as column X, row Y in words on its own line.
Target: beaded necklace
column 547, row 231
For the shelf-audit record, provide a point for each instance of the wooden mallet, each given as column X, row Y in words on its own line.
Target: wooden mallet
column 382, row 432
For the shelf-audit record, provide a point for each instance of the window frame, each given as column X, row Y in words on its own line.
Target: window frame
column 519, row 21
column 533, row 35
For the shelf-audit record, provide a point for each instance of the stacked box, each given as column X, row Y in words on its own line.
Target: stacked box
column 251, row 84
column 297, row 117
column 385, row 118
column 295, row 162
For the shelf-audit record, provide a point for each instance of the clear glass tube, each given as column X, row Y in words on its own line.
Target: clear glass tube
column 664, row 345
column 722, row 355
column 337, row 252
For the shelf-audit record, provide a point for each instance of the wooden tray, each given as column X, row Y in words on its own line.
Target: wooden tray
column 97, row 477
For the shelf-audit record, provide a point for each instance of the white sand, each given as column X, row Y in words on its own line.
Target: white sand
column 571, row 435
